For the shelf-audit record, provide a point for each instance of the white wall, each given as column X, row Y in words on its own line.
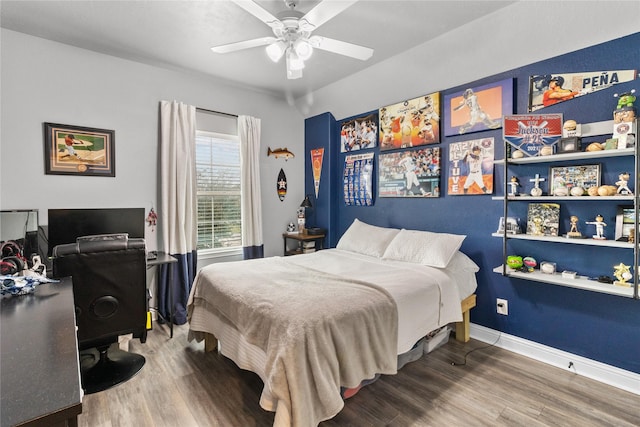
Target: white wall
column 44, row 81
column 514, row 36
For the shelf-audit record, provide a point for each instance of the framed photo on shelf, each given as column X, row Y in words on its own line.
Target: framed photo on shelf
column 543, row 219
column 78, row 150
column 625, row 222
column 584, row 176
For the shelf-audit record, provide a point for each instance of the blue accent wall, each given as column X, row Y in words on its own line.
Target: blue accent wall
column 594, row 325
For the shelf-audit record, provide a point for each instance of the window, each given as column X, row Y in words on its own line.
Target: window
column 218, row 184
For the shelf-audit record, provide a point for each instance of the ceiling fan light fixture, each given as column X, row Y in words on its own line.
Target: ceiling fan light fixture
column 303, row 49
column 276, row 50
column 294, row 62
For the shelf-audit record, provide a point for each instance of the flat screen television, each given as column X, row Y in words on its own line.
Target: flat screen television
column 66, row 225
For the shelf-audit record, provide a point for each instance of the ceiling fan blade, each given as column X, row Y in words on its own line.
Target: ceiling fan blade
column 259, row 12
column 247, row 44
column 323, row 12
column 343, row 48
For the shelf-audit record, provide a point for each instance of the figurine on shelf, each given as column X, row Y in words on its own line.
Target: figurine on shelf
column 513, row 184
column 622, row 273
column 573, row 231
column 625, row 99
column 600, row 225
column 623, row 184
column 624, row 120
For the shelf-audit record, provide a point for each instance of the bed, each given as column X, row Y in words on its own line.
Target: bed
column 312, row 324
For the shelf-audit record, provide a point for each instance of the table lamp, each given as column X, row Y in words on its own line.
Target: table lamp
column 306, row 203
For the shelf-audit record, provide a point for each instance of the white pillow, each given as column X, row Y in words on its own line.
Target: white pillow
column 366, row 239
column 461, row 262
column 424, row 247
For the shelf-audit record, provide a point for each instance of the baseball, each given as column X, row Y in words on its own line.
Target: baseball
column 570, row 125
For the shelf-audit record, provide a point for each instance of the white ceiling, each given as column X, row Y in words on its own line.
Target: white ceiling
column 179, row 34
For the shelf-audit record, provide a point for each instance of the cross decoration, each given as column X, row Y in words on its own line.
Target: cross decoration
column 537, row 180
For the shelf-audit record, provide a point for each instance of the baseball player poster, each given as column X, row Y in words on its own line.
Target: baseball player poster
column 410, row 173
column 359, row 133
column 471, row 167
column 478, row 108
column 410, row 123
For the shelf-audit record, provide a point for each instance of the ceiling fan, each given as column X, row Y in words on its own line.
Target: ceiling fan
column 293, row 39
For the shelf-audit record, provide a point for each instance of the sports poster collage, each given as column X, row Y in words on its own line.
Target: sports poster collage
column 409, row 164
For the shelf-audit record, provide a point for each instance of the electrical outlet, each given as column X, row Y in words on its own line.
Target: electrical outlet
column 502, row 306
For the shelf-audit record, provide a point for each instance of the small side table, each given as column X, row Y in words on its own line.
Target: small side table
column 163, row 258
column 301, row 239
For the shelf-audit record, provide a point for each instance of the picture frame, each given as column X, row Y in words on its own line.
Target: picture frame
column 413, row 173
column 478, row 108
column 512, row 225
column 568, row 145
column 79, row 150
column 543, row 219
column 359, row 133
column 471, row 167
column 410, row 123
column 584, row 176
column 625, row 221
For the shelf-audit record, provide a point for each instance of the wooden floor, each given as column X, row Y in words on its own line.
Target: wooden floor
column 182, row 386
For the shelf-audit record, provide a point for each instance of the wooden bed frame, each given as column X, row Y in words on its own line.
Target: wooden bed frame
column 462, row 328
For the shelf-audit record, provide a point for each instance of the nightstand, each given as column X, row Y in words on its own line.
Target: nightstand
column 304, row 243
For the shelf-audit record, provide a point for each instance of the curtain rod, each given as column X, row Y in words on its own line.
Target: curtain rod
column 216, row 112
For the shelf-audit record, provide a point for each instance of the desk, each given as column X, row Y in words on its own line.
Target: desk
column 164, row 258
column 39, row 365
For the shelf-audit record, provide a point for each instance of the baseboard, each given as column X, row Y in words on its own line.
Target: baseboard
column 607, row 374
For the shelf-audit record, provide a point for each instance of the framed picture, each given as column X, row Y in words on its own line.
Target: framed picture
column 471, row 167
column 568, row 145
column 563, row 178
column 410, row 173
column 359, row 133
column 77, row 150
column 543, row 219
column 478, row 108
column 625, row 220
column 410, row 123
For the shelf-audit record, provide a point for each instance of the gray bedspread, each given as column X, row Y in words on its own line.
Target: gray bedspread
column 318, row 331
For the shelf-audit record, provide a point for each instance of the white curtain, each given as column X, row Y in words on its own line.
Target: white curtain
column 177, row 215
column 251, row 206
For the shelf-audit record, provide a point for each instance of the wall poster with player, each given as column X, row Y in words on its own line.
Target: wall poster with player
column 410, row 123
column 410, row 173
column 76, row 150
column 359, row 133
column 471, row 167
column 478, row 108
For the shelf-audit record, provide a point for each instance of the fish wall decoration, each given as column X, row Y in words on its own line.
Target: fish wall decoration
column 280, row 152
